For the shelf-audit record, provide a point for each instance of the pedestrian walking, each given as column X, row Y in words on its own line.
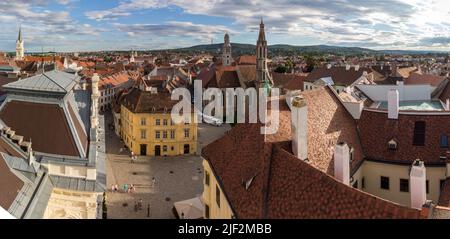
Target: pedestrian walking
column 125, row 188
column 148, row 210
column 153, row 181
column 135, row 206
column 132, row 189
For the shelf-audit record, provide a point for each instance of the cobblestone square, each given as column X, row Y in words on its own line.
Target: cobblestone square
column 177, row 178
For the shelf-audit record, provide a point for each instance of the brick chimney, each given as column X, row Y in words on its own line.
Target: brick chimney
column 417, row 180
column 393, row 104
column 342, row 163
column 299, row 124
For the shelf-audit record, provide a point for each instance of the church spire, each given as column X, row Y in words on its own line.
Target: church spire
column 262, row 34
column 20, row 34
column 263, row 78
column 20, row 50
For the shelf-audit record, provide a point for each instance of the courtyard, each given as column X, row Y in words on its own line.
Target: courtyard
column 176, row 178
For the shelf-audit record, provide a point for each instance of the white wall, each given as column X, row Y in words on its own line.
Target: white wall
column 406, row 92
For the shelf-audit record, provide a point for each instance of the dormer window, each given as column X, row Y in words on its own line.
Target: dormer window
column 392, row 145
column 443, row 141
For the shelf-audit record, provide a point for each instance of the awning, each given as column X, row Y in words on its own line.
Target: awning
column 190, row 209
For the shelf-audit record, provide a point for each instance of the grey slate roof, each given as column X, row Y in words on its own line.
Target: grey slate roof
column 51, row 81
column 19, row 164
column 82, row 99
column 39, row 205
column 76, row 184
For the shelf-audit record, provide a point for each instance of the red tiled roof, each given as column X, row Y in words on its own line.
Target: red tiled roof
column 420, row 79
column 288, row 81
column 340, row 75
column 206, row 75
column 377, row 130
column 298, row 190
column 227, row 77
column 246, row 60
column 280, row 179
column 139, row 101
column 114, row 80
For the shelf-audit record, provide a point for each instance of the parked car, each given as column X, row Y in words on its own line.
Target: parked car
column 211, row 120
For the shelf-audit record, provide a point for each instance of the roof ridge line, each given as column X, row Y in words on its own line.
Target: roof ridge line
column 54, row 82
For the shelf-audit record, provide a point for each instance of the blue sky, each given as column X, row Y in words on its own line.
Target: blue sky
column 85, row 25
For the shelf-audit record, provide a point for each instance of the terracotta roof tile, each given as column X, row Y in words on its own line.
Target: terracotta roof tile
column 298, row 190
column 139, row 101
column 340, row 75
column 421, row 79
column 285, row 187
column 377, row 130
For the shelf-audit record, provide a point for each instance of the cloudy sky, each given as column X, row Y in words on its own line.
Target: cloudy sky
column 84, row 25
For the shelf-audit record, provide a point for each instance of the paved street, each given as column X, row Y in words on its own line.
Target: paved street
column 177, row 178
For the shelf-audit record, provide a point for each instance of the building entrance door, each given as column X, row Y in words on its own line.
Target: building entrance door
column 186, row 149
column 143, row 149
column 157, row 150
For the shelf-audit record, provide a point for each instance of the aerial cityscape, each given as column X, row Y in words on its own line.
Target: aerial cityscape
column 161, row 109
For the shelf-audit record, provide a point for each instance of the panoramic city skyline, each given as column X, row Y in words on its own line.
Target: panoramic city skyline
column 79, row 25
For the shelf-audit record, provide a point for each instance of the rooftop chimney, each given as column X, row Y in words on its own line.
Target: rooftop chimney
column 357, row 68
column 328, row 66
column 347, row 67
column 299, row 111
column 393, row 104
column 342, row 163
column 417, row 180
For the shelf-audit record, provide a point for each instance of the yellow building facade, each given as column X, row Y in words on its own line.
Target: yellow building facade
column 216, row 203
column 155, row 134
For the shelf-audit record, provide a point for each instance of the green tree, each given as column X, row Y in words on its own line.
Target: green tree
column 311, row 63
column 281, row 69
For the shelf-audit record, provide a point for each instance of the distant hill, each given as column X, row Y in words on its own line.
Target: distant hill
column 283, row 49
column 280, row 49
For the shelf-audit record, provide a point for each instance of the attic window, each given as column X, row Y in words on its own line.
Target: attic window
column 392, row 145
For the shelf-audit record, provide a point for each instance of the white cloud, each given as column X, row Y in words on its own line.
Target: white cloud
column 331, row 21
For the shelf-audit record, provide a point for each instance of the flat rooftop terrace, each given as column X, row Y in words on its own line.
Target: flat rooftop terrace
column 423, row 105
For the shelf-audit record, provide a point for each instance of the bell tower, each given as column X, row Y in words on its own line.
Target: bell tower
column 227, row 59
